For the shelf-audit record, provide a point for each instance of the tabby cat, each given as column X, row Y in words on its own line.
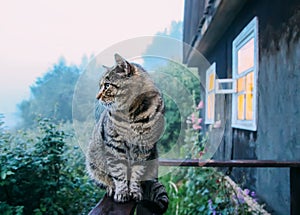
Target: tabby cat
column 122, row 152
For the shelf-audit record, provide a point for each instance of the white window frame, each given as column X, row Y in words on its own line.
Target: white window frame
column 249, row 32
column 209, row 71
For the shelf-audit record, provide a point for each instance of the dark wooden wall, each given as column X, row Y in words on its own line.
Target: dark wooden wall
column 278, row 133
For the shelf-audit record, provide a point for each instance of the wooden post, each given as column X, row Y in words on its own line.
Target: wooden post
column 155, row 202
column 295, row 190
column 107, row 206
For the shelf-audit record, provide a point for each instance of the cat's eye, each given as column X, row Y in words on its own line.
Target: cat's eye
column 106, row 85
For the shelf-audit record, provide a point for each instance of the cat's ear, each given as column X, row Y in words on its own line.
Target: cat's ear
column 123, row 64
column 120, row 60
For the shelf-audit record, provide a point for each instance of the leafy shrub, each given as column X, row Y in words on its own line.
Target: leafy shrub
column 43, row 173
column 202, row 191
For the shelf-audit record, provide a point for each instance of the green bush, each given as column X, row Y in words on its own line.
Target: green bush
column 43, row 173
column 201, row 191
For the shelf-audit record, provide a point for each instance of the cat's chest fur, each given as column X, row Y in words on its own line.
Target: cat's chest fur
column 126, row 134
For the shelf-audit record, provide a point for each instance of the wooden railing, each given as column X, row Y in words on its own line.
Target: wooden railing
column 156, row 202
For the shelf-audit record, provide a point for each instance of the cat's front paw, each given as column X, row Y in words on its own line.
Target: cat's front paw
column 137, row 196
column 136, row 192
column 122, row 196
column 110, row 191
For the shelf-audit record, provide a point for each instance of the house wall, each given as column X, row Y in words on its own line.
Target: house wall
column 278, row 133
column 279, row 100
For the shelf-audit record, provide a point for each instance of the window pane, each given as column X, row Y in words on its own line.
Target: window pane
column 249, row 106
column 241, row 84
column 240, row 109
column 211, row 106
column 249, row 81
column 246, row 56
column 211, row 82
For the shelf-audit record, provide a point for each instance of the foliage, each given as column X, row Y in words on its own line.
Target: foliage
column 181, row 88
column 43, row 174
column 176, row 31
column 195, row 140
column 164, row 42
column 202, row 191
column 52, row 94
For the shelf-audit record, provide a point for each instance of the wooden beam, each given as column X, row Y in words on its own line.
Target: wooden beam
column 229, row 163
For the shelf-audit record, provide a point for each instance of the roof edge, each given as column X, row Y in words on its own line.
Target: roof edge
column 213, row 25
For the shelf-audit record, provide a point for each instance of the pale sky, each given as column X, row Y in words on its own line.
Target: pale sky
column 34, row 34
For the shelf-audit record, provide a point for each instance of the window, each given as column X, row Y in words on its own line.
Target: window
column 242, row 86
column 210, row 94
column 244, row 72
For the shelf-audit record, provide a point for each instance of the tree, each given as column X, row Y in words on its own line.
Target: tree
column 51, row 95
column 181, row 89
column 168, row 44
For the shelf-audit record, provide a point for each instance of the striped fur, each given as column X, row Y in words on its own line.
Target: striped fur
column 123, row 152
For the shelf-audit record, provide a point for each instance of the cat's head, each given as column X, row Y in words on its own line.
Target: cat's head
column 120, row 83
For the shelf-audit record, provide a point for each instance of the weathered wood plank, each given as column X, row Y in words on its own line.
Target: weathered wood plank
column 229, row 163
